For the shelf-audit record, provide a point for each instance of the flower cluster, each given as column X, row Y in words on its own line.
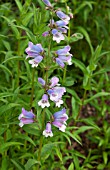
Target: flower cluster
column 58, row 28
column 63, row 56
column 35, row 52
column 59, row 120
column 52, row 89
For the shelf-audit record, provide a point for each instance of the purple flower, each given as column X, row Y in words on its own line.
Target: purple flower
column 53, row 91
column 54, row 81
column 63, row 56
column 56, row 94
column 57, row 36
column 60, row 62
column 35, row 52
column 45, row 34
column 47, row 2
column 57, row 30
column 44, row 101
column 26, row 117
column 60, row 119
column 63, row 16
column 48, row 132
column 41, row 81
column 34, row 62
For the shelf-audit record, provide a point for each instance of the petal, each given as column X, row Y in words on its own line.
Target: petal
column 64, row 50
column 45, row 34
column 63, row 30
column 34, row 50
column 26, row 121
column 47, row 2
column 59, row 113
column 57, row 124
column 54, row 31
column 54, row 81
column 62, row 16
column 60, row 62
column 27, row 114
column 61, row 23
column 41, row 81
column 45, row 97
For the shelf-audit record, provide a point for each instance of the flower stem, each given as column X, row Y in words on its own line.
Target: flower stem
column 64, row 74
column 32, row 89
column 81, row 106
column 18, row 64
column 41, row 139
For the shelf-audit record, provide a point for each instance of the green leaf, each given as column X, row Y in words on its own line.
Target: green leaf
column 27, row 18
column 59, row 154
column 4, row 68
column 74, row 136
column 5, row 163
column 20, row 7
column 69, row 81
column 89, row 121
column 8, row 144
column 17, row 165
column 9, row 106
column 13, row 58
column 71, row 167
column 83, row 129
column 32, row 130
column 75, row 109
column 25, row 137
column 105, row 157
column 96, row 96
column 76, row 162
column 30, row 163
column 7, row 45
column 46, row 150
column 74, row 94
column 75, row 37
column 84, row 32
column 79, row 64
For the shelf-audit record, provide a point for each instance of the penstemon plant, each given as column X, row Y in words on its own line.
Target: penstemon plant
column 52, row 89
column 54, row 108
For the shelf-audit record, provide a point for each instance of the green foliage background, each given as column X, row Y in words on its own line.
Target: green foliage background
column 86, row 143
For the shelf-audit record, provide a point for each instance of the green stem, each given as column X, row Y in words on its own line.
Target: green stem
column 18, row 64
column 32, row 88
column 81, row 106
column 41, row 140
column 64, row 74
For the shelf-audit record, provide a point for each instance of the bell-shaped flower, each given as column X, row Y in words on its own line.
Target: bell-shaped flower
column 60, row 119
column 35, row 52
column 56, row 94
column 44, row 101
column 63, row 56
column 48, row 132
column 47, row 2
column 34, row 62
column 26, row 117
column 54, row 91
column 57, row 35
column 62, row 16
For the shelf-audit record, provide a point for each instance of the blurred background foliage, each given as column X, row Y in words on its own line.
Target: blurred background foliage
column 86, row 143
